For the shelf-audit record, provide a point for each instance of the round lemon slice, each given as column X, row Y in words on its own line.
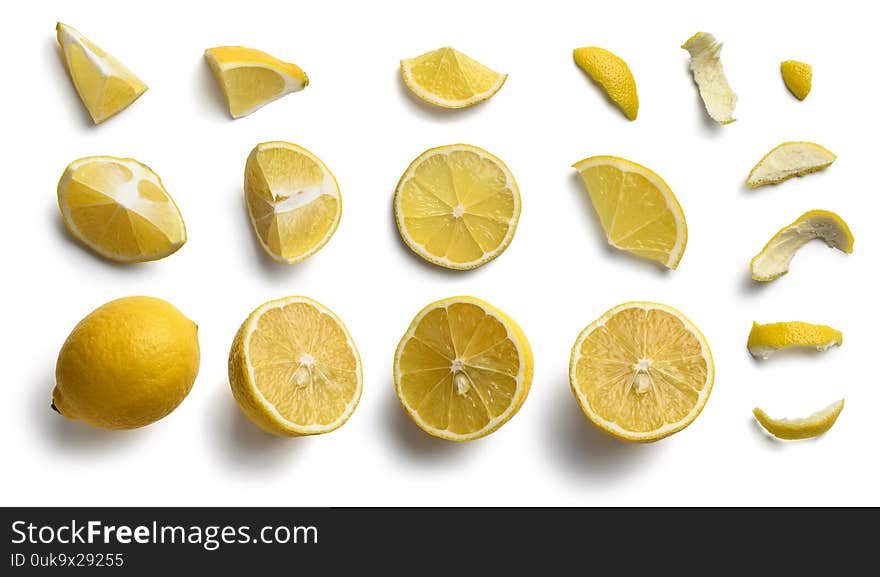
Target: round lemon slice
column 294, row 368
column 450, row 79
column 292, row 199
column 119, row 208
column 613, row 75
column 788, row 160
column 801, row 428
column 641, row 372
column 457, row 206
column 636, row 208
column 462, row 369
column 764, row 340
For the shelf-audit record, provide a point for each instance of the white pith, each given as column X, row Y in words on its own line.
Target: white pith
column 789, row 159
column 775, row 258
column 705, row 63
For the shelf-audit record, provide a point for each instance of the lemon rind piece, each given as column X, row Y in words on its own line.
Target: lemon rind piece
column 432, row 98
column 524, row 377
column 627, row 77
column 814, row 224
column 670, row 428
column 252, row 401
column 800, row 428
column 790, row 70
column 765, row 340
column 822, row 159
column 708, row 72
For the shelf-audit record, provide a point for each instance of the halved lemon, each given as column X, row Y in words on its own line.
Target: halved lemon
column 104, row 85
column 119, row 208
column 462, row 369
column 641, row 372
column 457, row 206
column 450, row 79
column 636, row 208
column 294, row 368
column 293, row 200
column 612, row 73
column 251, row 79
column 801, row 428
column 788, row 160
column 718, row 98
column 764, row 340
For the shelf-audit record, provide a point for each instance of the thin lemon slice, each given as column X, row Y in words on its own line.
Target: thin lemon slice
column 450, row 79
column 764, row 340
column 457, row 206
column 294, row 368
column 788, row 160
column 251, row 79
column 462, row 369
column 119, row 208
column 718, row 98
column 798, row 77
column 636, row 208
column 641, row 372
column 775, row 258
column 104, row 85
column 801, row 428
column 613, row 75
column 293, row 200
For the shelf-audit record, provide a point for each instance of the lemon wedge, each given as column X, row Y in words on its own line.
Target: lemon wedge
column 457, row 206
column 718, row 98
column 788, row 160
column 104, row 85
column 462, row 369
column 636, row 208
column 119, row 208
column 764, row 340
column 801, row 428
column 294, row 368
column 251, row 79
column 293, row 200
column 450, row 79
column 775, row 258
column 641, row 372
column 613, row 75
column 798, row 77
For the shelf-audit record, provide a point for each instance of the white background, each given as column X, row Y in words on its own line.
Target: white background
column 555, row 278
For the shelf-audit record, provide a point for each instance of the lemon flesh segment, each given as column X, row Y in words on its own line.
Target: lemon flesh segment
column 798, row 77
column 641, row 372
column 636, row 208
column 462, row 369
column 800, row 428
column 613, row 75
column 764, row 340
column 250, row 78
column 775, row 258
column 294, row 368
column 293, row 200
column 457, row 206
column 718, row 98
column 104, row 85
column 788, row 160
column 119, row 208
column 450, row 79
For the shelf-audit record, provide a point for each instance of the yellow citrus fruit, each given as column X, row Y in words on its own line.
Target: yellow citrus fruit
column 119, row 208
column 613, row 75
column 250, row 78
column 788, row 160
column 450, row 79
column 798, row 77
column 636, row 208
column 457, row 206
column 775, row 258
column 292, row 199
column 462, row 369
column 294, row 368
column 104, row 85
column 764, row 340
column 718, row 98
column 801, row 428
column 641, row 372
column 127, row 364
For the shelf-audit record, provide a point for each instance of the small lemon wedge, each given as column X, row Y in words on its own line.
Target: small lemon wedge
column 798, row 77
column 104, row 85
column 775, row 258
column 613, row 75
column 788, row 160
column 801, row 428
column 718, row 97
column 764, row 340
column 450, row 79
column 251, row 79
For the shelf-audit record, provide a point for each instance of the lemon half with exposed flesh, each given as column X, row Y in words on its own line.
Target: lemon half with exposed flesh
column 450, row 79
column 800, row 428
column 764, row 340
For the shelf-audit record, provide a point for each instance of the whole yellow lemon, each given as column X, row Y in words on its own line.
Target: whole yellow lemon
column 127, row 364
